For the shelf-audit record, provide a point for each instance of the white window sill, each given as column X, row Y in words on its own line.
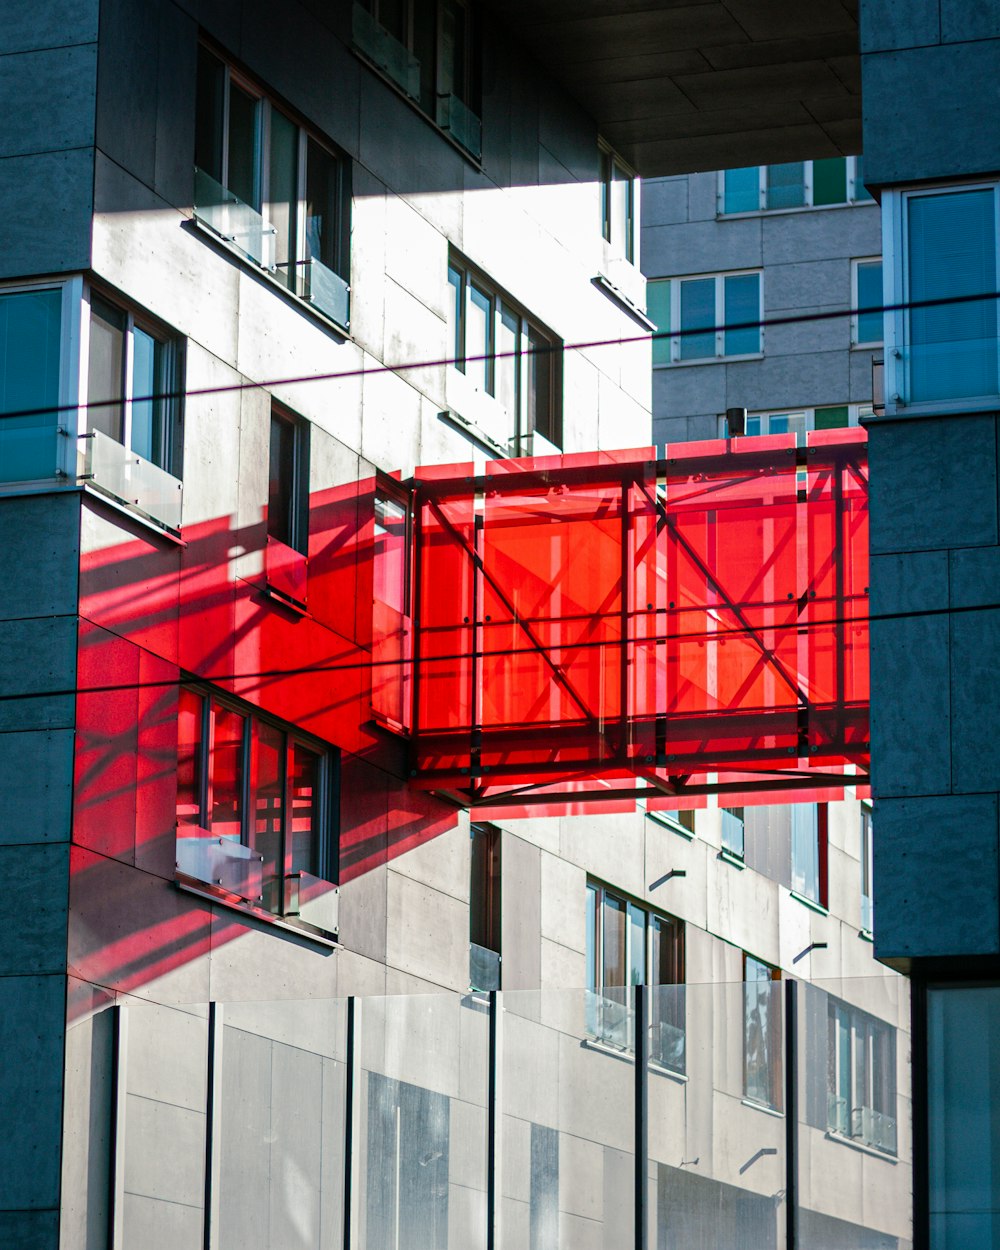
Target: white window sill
column 202, row 889
column 709, row 360
column 868, row 347
column 797, row 208
column 731, row 858
column 810, row 903
column 762, row 1106
column 628, row 1056
column 667, row 823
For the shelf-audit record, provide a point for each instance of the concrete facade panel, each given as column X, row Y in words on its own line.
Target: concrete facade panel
column 962, row 21
column 37, row 768
column 975, row 719
column 887, row 25
column 53, row 92
column 27, row 27
column 664, row 203
column 792, row 238
column 176, row 1175
column 32, row 1026
column 45, row 203
column 175, row 106
column 37, row 657
column 907, row 515
column 805, row 287
column 157, row 1225
column 521, row 923
column 669, row 251
column 915, row 134
column 129, row 71
column 87, row 1132
column 37, row 877
column 936, row 895
column 429, row 935
column 41, row 555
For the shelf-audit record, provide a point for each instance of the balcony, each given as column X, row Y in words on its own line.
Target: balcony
column 461, row 123
column 220, row 862
column 233, row 221
column 874, row 1128
column 326, row 291
column 484, row 968
column 118, row 472
column 313, row 901
column 386, row 52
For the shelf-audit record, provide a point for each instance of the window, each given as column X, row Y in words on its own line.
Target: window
column 407, row 1166
column 733, row 831
column 430, row 50
column 392, row 632
column 254, row 802
column 716, row 315
column 797, row 184
column 809, row 851
column 867, row 861
column 866, row 293
column 30, row 381
column 762, row 1010
column 681, row 821
column 271, row 189
column 944, row 248
column 288, row 481
column 861, row 1077
column 132, row 384
column 628, row 945
column 484, row 907
column 505, row 353
column 617, row 205
column 802, row 420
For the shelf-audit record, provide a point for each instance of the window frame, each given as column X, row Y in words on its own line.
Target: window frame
column 896, row 287
column 820, row 835
column 296, row 279
column 324, row 838
column 675, row 334
column 867, row 862
column 523, row 436
column 867, row 1035
column 610, row 162
column 853, row 176
column 298, row 489
column 729, row 851
column 774, row 1039
column 856, row 340
column 172, row 435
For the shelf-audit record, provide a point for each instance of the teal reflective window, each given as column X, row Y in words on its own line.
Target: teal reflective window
column 29, row 381
column 741, row 190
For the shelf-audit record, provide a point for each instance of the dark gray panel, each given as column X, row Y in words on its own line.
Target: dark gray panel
column 127, row 77
column 887, row 24
column 175, row 107
column 911, row 711
column 923, row 494
column 37, row 772
column 32, row 1016
column 975, row 577
column 913, row 133
column 975, row 707
column 29, row 1230
column 45, row 205
column 37, row 656
column 40, row 555
column 27, row 26
column 969, row 19
column 52, row 95
column 936, row 876
column 36, row 898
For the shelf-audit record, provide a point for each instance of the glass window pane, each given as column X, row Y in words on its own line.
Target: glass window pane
column 507, row 360
column 733, row 829
column 150, row 407
column 281, row 480
column 190, row 707
column 786, row 423
column 636, row 945
column 869, row 295
column 390, row 553
column 227, row 773
column 833, row 418
column 29, row 379
column 830, row 181
column 479, row 338
column 805, row 850
column 786, row 185
column 952, row 252
column 268, row 810
column 282, row 194
column 453, row 77
column 861, row 192
column 761, row 1034
column 606, row 194
column 322, row 208
column 543, row 411
column 455, row 316
column 742, row 305
column 305, row 824
column 698, row 313
column 741, row 190
column 244, row 111
column 209, row 113
column 614, row 941
column 621, row 211
column 105, row 376
column 658, row 311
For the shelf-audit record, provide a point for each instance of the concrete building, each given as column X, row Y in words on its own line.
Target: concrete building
column 238, row 991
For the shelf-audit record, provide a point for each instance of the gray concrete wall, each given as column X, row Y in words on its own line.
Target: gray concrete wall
column 805, row 257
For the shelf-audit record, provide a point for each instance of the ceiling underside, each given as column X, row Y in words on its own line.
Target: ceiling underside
column 683, row 85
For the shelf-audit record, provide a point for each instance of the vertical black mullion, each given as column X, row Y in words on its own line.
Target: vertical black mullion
column 286, row 823
column 205, row 762
column 349, row 1063
column 641, row 1114
column 212, row 1116
column 246, row 787
column 791, row 1117
column 492, row 1125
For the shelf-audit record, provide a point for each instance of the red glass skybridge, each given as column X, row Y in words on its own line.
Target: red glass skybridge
column 591, row 629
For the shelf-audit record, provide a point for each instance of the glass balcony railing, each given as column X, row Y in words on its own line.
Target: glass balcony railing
column 461, row 123
column 226, row 215
column 484, row 968
column 327, row 291
column 220, row 862
column 312, row 900
column 117, row 471
column 385, row 51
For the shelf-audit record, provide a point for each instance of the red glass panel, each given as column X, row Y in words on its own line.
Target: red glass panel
column 227, row 773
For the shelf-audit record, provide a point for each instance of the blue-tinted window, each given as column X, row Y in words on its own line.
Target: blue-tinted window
column 29, row 380
column 952, row 253
column 742, row 304
column 658, row 310
column 698, row 313
column 786, row 185
column 741, row 190
column 869, row 295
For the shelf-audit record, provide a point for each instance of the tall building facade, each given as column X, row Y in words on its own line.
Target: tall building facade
column 253, row 280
